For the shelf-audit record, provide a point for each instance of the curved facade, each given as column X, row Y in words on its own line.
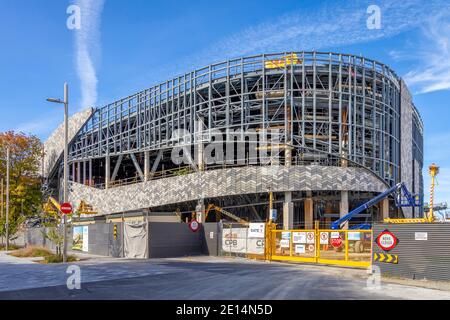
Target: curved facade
column 303, row 108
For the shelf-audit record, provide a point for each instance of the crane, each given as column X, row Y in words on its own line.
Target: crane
column 433, row 170
column 225, row 212
column 411, row 200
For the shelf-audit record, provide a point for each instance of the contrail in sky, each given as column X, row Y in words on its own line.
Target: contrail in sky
column 88, row 49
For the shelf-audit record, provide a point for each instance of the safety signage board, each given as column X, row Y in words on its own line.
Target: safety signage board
column 335, row 235
column 324, row 238
column 385, row 257
column 300, row 248
column 286, row 235
column 386, row 240
column 423, row 236
column 299, row 237
column 310, row 237
column 256, row 230
column 354, row 236
column 285, row 243
column 311, row 248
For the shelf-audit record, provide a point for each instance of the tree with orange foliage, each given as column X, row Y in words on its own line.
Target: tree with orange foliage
column 25, row 183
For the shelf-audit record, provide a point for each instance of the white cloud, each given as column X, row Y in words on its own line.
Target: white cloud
column 41, row 126
column 88, row 49
column 334, row 24
column 434, row 55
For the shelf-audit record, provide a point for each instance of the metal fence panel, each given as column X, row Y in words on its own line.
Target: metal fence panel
column 417, row 258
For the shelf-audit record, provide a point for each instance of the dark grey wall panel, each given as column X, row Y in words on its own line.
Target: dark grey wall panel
column 212, row 235
column 417, row 259
column 174, row 240
column 99, row 238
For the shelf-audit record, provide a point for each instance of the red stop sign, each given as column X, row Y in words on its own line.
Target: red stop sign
column 336, row 242
column 66, row 208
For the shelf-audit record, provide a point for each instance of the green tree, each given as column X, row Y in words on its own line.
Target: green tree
column 25, row 196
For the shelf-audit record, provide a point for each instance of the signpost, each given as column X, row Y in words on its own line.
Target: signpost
column 66, row 208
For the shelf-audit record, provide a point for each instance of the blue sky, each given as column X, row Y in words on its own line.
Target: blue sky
column 135, row 44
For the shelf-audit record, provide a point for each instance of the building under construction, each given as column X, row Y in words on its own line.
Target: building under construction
column 311, row 134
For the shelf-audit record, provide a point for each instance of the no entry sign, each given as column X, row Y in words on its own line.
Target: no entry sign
column 66, row 208
column 386, row 240
column 194, row 225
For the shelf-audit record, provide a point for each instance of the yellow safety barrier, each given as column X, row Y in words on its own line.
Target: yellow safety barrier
column 337, row 247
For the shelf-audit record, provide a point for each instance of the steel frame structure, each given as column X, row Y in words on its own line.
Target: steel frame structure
column 340, row 104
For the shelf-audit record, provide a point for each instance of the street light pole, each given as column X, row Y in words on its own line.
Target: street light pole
column 66, row 167
column 66, row 159
column 7, row 197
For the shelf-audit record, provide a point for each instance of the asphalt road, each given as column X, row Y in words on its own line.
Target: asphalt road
column 196, row 279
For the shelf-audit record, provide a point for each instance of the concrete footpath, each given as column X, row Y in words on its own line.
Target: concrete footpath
column 196, row 278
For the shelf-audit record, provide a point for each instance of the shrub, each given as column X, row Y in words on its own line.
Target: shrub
column 56, row 258
column 32, row 252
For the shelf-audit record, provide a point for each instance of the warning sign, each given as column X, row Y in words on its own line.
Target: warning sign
column 310, row 237
column 299, row 237
column 300, row 248
column 311, row 248
column 324, row 238
column 335, row 235
column 285, row 243
column 336, row 242
column 386, row 240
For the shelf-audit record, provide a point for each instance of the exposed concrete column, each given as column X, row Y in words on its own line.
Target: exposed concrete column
column 146, row 165
column 107, row 171
column 384, row 208
column 78, row 172
column 73, row 172
column 91, row 183
column 344, row 206
column 288, row 153
column 199, row 144
column 200, row 211
column 288, row 211
column 309, row 210
column 84, row 172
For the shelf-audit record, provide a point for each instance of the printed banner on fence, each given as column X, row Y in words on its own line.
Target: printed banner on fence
column 236, row 240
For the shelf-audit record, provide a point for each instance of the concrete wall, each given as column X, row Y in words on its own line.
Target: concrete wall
column 212, row 238
column 417, row 259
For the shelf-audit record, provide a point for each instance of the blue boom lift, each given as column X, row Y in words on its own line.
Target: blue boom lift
column 409, row 200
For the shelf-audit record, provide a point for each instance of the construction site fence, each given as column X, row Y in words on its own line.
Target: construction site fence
column 321, row 246
column 236, row 241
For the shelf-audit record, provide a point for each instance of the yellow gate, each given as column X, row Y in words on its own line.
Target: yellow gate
column 337, row 247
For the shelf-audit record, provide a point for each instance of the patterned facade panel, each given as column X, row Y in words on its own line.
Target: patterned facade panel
column 213, row 184
column 54, row 145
